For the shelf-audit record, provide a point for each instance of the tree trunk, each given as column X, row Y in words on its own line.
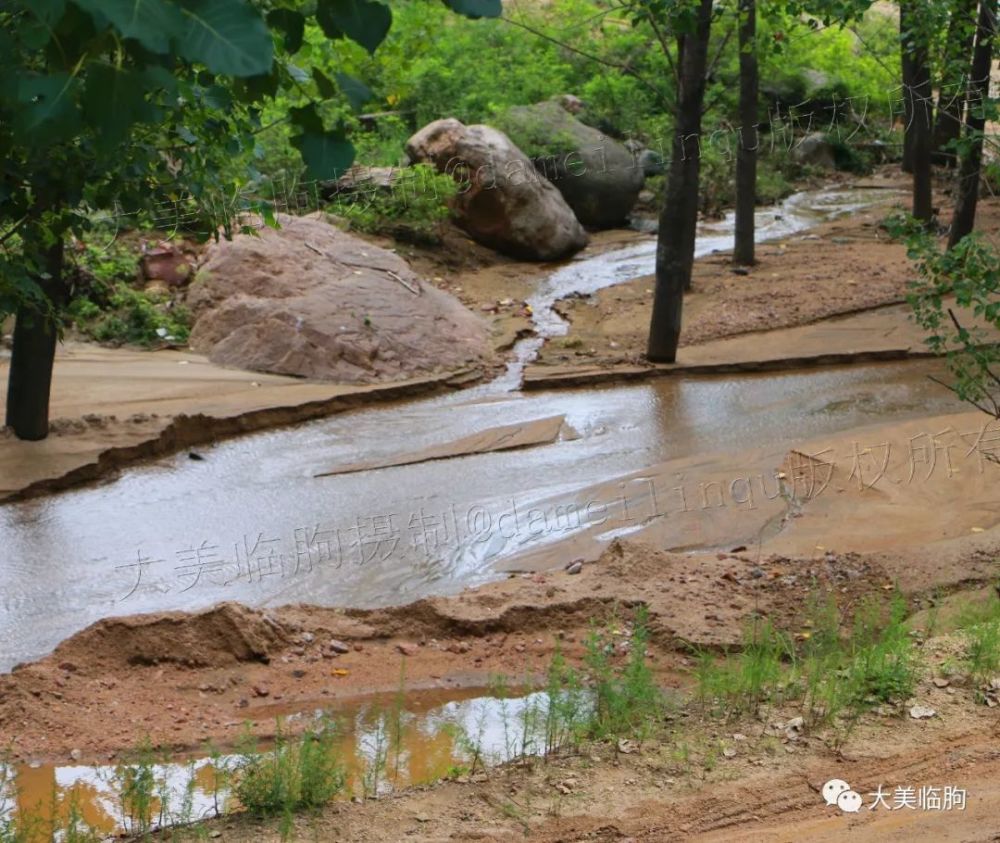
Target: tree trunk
column 35, row 337
column 679, row 217
column 917, row 101
column 746, row 156
column 951, row 97
column 964, row 216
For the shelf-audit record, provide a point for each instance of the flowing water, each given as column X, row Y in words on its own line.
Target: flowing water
column 252, row 523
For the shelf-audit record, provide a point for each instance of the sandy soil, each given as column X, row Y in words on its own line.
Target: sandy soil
column 768, row 791
column 191, row 679
column 844, row 266
column 111, row 407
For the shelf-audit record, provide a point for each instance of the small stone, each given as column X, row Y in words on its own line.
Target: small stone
column 575, row 567
column 941, row 682
column 729, row 752
column 75, row 754
column 922, row 712
column 307, row 638
column 338, row 647
column 407, row 648
column 261, row 690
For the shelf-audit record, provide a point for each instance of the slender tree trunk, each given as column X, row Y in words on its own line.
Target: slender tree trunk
column 917, row 96
column 964, row 216
column 679, row 217
column 33, row 355
column 951, row 97
column 746, row 156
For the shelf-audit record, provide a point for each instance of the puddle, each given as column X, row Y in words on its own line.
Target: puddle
column 441, row 733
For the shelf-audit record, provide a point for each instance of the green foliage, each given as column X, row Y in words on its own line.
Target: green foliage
column 297, row 774
column 982, row 650
column 627, row 700
column 413, row 208
column 980, row 624
column 131, row 317
column 834, row 678
column 533, row 136
column 956, row 299
column 109, row 309
column 134, row 781
column 123, row 104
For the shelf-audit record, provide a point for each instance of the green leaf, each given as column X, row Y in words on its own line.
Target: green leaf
column 257, row 88
column 48, row 111
column 476, row 8
column 364, row 21
column 307, row 119
column 227, row 36
column 159, row 78
column 47, row 11
column 327, row 155
column 356, row 91
column 292, row 24
column 326, row 88
column 113, row 100
column 150, row 22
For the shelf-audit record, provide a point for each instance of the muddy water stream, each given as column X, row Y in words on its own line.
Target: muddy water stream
column 381, row 745
column 252, row 523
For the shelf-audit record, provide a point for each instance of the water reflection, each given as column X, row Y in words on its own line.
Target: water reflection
column 383, row 744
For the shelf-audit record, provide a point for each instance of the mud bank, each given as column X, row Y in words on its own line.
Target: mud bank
column 193, row 678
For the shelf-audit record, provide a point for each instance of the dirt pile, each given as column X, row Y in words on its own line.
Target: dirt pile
column 313, row 301
column 223, row 636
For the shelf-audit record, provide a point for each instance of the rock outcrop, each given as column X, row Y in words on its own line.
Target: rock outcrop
column 313, row 301
column 502, row 202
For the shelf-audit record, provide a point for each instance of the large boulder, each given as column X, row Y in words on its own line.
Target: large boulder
column 311, row 300
column 815, row 149
column 599, row 177
column 502, row 201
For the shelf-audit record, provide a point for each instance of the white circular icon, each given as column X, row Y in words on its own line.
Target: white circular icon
column 832, row 790
column 849, row 802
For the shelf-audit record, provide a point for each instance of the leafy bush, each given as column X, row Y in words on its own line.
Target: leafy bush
column 413, row 208
column 628, row 702
column 132, row 317
column 107, row 307
column 964, row 332
column 294, row 775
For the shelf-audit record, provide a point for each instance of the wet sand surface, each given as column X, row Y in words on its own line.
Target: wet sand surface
column 251, row 523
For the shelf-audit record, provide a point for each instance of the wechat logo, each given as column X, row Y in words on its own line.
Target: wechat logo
column 838, row 792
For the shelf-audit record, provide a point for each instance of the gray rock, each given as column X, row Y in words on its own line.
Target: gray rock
column 815, row 149
column 502, row 202
column 599, row 177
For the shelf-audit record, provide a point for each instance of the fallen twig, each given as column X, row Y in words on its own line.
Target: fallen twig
column 410, row 287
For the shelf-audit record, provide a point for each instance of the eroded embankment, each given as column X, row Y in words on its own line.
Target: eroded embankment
column 182, row 679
